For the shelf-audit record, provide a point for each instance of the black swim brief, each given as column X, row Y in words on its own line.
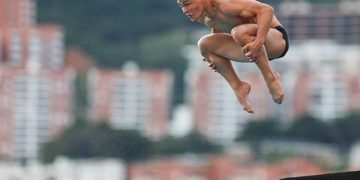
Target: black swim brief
column 286, row 38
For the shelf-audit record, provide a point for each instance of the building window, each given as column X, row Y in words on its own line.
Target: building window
column 34, row 48
column 224, row 113
column 56, row 52
column 131, row 104
column 27, row 15
column 32, row 114
column 15, row 48
column 329, row 100
column 1, row 40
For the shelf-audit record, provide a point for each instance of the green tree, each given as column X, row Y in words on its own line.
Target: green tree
column 348, row 128
column 192, row 143
column 196, row 143
column 260, row 130
column 86, row 141
column 311, row 129
column 80, row 96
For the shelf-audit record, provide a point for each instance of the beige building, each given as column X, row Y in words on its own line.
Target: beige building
column 17, row 13
column 35, row 86
column 132, row 99
column 324, row 83
column 337, row 21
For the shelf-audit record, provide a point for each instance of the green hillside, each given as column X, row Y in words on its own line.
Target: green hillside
column 114, row 30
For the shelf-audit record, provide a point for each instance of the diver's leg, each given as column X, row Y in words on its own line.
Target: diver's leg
column 207, row 45
column 274, row 46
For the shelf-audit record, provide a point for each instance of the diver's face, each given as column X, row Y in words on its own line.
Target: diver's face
column 193, row 9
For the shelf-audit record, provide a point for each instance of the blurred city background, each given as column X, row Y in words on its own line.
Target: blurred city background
column 117, row 90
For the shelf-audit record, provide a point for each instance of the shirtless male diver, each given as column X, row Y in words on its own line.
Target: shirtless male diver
column 243, row 31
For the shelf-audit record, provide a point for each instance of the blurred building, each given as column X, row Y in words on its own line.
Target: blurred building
column 79, row 60
column 354, row 157
column 34, row 106
column 223, row 167
column 35, row 86
column 325, row 79
column 336, row 21
column 41, row 46
column 65, row 169
column 132, row 99
column 17, row 13
column 322, row 66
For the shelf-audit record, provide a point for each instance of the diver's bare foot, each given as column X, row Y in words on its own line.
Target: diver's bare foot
column 242, row 93
column 276, row 89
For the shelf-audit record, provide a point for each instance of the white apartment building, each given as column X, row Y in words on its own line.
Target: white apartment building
column 337, row 21
column 36, row 106
column 66, row 169
column 132, row 99
column 35, row 85
column 17, row 13
column 325, row 79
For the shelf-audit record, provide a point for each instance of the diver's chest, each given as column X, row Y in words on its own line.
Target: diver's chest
column 224, row 24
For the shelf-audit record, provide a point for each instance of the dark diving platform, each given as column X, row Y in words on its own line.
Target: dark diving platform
column 351, row 175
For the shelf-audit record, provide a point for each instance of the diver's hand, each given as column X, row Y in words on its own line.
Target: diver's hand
column 252, row 50
column 211, row 64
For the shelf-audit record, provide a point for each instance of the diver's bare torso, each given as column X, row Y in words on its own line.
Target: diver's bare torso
column 223, row 21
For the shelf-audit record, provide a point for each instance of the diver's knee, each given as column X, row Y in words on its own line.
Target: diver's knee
column 240, row 35
column 206, row 44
